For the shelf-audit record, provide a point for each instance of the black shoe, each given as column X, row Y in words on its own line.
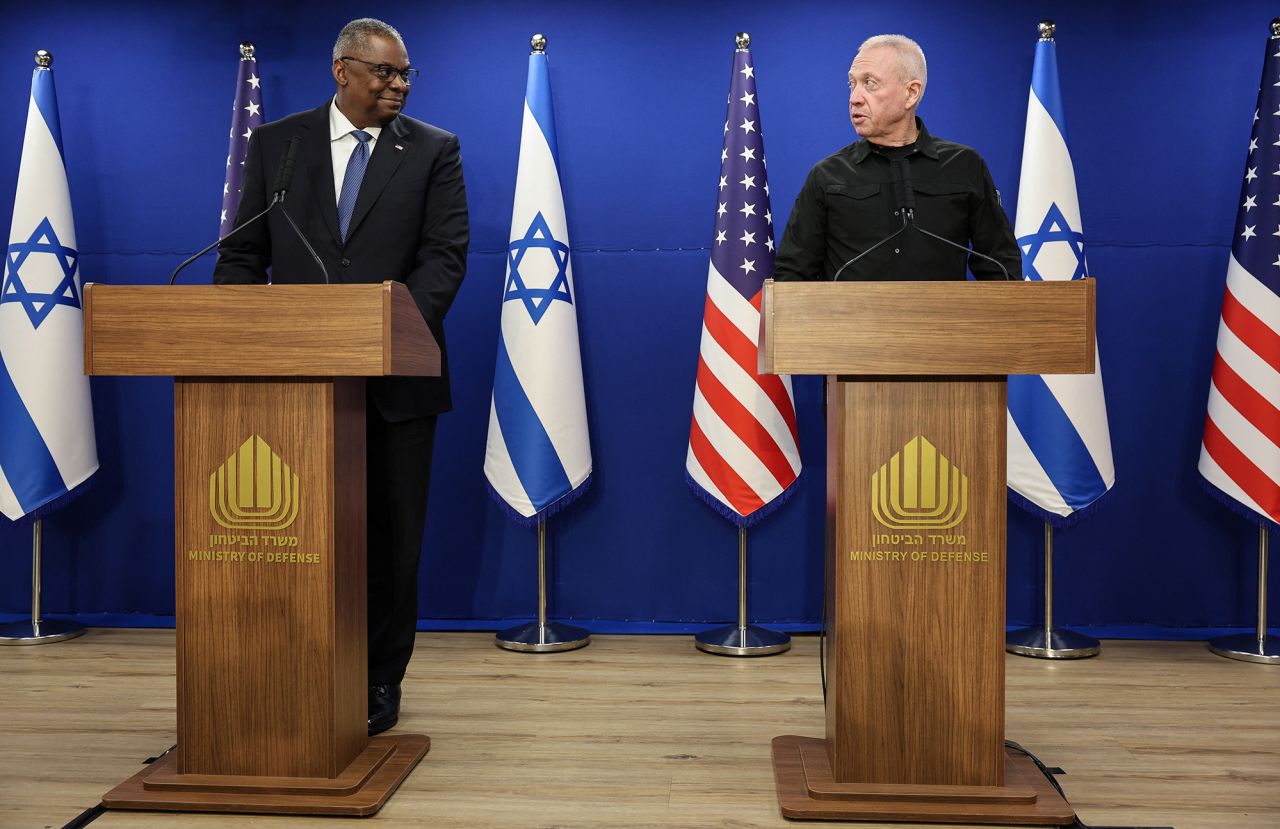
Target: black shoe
column 384, row 707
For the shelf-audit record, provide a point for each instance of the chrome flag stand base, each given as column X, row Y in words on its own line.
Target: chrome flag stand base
column 1253, row 647
column 1050, row 644
column 538, row 637
column 1046, row 641
column 37, row 631
column 1247, row 647
column 751, row 640
column 542, row 636
column 742, row 639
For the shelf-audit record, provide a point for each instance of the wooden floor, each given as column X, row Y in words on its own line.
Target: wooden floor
column 645, row 731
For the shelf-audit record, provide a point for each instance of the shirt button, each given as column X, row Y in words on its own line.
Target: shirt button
column 895, row 250
column 346, row 263
column 896, row 212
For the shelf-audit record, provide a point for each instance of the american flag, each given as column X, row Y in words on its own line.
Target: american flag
column 246, row 116
column 1240, row 454
column 743, row 445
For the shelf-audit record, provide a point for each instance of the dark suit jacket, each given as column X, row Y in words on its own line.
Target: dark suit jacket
column 409, row 224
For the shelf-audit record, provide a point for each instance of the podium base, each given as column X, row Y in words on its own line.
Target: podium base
column 360, row 790
column 1055, row 643
column 808, row 791
column 751, row 640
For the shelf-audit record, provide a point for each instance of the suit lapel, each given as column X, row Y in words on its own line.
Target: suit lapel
column 392, row 146
column 318, row 154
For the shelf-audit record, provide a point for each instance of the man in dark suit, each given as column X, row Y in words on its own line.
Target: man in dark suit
column 380, row 196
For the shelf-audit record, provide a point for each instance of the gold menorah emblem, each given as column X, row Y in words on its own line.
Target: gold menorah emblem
column 254, row 489
column 919, row 488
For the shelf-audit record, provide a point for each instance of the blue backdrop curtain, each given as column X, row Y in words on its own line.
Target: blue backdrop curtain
column 1159, row 109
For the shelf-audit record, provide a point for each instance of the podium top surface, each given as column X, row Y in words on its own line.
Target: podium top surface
column 364, row 330
column 927, row 328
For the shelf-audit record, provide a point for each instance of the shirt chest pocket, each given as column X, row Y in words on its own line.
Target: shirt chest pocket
column 943, row 208
column 861, row 193
column 856, row 212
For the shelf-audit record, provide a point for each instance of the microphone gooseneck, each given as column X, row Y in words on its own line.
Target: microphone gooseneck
column 274, row 201
column 905, row 224
column 284, row 175
column 284, row 180
column 323, row 270
column 904, row 195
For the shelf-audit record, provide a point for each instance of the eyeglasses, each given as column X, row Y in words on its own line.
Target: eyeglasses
column 385, row 71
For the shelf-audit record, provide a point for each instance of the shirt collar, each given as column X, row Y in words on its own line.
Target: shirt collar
column 924, row 143
column 341, row 126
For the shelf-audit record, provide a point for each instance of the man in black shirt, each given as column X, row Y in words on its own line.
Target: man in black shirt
column 855, row 198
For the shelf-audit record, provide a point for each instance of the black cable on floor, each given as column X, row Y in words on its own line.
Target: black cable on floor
column 1051, row 775
column 90, row 815
column 822, row 649
column 86, row 817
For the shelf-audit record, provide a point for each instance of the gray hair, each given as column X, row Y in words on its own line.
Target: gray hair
column 354, row 36
column 910, row 56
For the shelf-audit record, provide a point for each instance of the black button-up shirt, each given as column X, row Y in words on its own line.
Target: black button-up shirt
column 848, row 203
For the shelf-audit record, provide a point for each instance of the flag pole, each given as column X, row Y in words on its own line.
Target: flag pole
column 1048, row 642
column 1254, row 647
column 38, row 631
column 542, row 636
column 742, row 639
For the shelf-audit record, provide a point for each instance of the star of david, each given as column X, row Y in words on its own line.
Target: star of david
column 1054, row 228
column 537, row 300
column 38, row 305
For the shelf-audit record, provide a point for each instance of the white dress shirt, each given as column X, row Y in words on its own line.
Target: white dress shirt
column 342, row 143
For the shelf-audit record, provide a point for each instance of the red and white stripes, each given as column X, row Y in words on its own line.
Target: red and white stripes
column 743, row 443
column 1240, row 453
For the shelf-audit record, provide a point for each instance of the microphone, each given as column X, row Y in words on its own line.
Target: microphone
column 904, row 195
column 907, row 202
column 284, row 174
column 284, row 180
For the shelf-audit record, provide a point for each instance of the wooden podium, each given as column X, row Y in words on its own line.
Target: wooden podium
column 915, row 575
column 269, row 465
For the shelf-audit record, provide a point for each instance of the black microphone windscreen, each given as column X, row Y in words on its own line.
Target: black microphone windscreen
column 284, row 176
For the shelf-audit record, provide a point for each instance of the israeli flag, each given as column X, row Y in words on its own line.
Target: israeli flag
column 47, row 445
column 538, row 457
column 1059, row 441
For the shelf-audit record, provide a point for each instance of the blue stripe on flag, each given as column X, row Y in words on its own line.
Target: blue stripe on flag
column 47, row 102
column 532, row 454
column 1054, row 441
column 537, row 96
column 24, row 457
column 1044, row 84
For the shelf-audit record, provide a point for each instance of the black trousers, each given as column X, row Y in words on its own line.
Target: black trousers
column 399, row 475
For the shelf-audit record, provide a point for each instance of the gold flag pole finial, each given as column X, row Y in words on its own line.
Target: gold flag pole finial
column 539, row 44
column 246, row 50
column 743, row 40
column 44, row 59
column 1047, row 28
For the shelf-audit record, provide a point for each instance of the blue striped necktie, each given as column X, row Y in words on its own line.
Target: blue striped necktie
column 351, row 181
